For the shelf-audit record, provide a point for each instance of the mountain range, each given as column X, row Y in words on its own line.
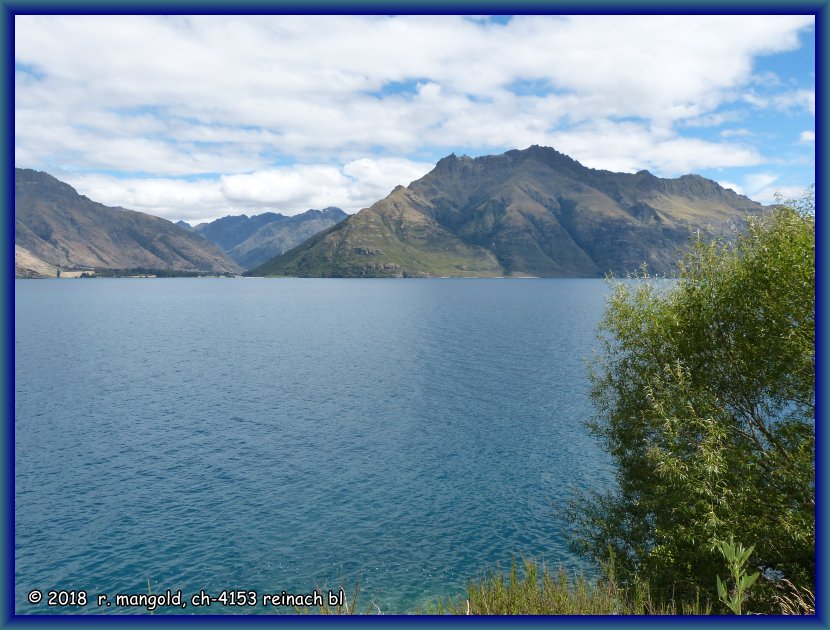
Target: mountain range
column 532, row 212
column 54, row 226
column 251, row 241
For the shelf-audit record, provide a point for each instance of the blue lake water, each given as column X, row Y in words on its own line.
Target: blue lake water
column 273, row 435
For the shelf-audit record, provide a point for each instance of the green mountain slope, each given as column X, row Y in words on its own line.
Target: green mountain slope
column 393, row 238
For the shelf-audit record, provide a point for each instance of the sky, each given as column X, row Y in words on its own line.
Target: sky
column 195, row 118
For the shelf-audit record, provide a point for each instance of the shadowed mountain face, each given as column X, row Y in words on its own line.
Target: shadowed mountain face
column 254, row 240
column 534, row 212
column 57, row 225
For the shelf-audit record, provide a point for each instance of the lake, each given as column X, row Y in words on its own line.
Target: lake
column 284, row 434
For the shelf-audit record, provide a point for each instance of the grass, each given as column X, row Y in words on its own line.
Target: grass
column 531, row 588
column 536, row 589
column 794, row 600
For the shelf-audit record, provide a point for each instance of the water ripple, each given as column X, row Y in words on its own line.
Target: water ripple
column 275, row 435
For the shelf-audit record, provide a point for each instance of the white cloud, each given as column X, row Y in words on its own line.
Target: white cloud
column 374, row 179
column 734, row 187
column 736, row 133
column 758, row 182
column 714, row 120
column 305, row 80
column 284, row 187
column 802, row 99
column 292, row 112
column 288, row 190
column 768, row 188
column 173, row 199
column 807, row 136
column 774, row 194
column 632, row 147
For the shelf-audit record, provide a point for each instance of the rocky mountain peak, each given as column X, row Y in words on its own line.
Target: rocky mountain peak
column 533, row 211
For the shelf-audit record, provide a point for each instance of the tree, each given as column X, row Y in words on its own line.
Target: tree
column 705, row 397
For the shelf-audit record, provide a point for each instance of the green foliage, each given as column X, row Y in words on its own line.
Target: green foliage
column 538, row 590
column 705, row 393
column 736, row 556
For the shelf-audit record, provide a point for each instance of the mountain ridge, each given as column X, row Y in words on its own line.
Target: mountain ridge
column 253, row 240
column 59, row 226
column 525, row 212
